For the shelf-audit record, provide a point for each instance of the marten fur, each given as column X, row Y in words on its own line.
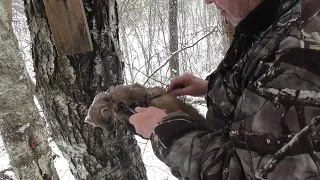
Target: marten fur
column 118, row 103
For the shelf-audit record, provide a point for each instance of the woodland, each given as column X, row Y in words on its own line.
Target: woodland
column 45, row 94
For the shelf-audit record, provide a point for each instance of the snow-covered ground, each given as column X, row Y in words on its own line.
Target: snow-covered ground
column 155, row 168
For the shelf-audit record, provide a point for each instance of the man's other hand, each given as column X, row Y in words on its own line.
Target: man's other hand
column 188, row 84
column 145, row 119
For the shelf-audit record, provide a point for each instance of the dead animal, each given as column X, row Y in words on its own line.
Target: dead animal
column 118, row 104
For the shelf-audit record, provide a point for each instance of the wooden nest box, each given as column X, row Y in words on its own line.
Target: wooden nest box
column 68, row 26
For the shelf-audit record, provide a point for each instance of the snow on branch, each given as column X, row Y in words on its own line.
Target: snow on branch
column 23, row 128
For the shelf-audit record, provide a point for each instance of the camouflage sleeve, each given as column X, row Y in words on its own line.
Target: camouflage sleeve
column 188, row 148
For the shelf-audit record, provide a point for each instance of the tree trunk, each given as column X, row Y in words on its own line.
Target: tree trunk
column 66, row 87
column 8, row 7
column 173, row 32
column 21, row 127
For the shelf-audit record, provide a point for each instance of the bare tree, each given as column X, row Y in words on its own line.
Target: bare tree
column 66, row 87
column 201, row 44
column 150, row 19
column 21, row 126
column 173, row 34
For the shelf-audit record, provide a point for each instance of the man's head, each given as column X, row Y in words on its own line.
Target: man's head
column 234, row 10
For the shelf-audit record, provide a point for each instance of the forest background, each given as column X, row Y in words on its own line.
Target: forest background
column 159, row 40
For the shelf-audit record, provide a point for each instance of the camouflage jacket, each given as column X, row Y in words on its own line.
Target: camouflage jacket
column 263, row 103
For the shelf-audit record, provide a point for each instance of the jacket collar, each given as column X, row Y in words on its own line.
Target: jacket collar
column 257, row 21
column 263, row 16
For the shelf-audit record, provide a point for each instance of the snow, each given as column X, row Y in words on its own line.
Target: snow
column 4, row 159
column 24, row 127
column 61, row 164
column 156, row 170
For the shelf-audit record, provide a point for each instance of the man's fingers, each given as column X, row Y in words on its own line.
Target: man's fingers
column 176, row 83
column 140, row 109
column 177, row 92
column 183, row 91
column 132, row 119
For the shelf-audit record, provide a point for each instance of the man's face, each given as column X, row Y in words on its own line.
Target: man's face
column 234, row 10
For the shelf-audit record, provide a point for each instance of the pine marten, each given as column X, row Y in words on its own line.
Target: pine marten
column 118, row 104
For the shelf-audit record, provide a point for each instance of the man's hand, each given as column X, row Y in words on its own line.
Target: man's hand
column 145, row 120
column 188, row 84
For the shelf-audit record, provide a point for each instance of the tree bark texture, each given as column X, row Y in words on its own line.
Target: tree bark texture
column 173, row 32
column 66, row 87
column 8, row 8
column 21, row 127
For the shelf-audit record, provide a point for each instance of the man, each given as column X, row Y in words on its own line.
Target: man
column 263, row 100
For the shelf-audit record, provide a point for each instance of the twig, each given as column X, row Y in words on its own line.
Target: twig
column 173, row 54
column 280, row 154
column 144, row 74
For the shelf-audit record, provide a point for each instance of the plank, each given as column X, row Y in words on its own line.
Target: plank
column 68, row 26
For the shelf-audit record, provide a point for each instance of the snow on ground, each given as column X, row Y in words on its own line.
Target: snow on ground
column 156, row 170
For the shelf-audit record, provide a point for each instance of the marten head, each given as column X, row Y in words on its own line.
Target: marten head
column 118, row 104
column 101, row 113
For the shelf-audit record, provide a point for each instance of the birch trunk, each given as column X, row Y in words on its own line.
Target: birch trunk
column 21, row 127
column 66, row 87
column 173, row 32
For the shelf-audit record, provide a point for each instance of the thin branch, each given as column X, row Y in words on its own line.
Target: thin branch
column 168, row 60
column 138, row 70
